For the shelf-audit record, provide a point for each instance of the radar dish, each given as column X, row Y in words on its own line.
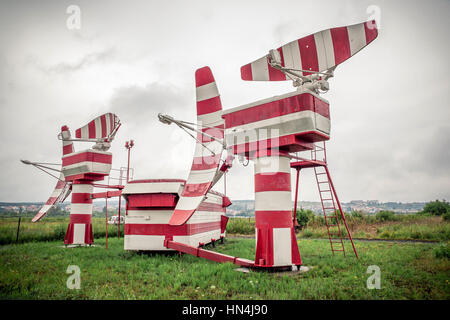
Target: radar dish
column 103, row 126
column 317, row 52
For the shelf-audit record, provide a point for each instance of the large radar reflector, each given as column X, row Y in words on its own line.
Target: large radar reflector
column 104, row 126
column 208, row 148
column 318, row 52
column 59, row 194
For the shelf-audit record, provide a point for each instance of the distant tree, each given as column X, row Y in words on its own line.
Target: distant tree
column 385, row 216
column 437, row 208
column 303, row 217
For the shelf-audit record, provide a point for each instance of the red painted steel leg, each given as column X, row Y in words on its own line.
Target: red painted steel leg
column 79, row 230
column 296, row 198
column 276, row 245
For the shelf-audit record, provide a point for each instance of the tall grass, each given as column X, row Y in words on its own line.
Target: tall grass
column 49, row 229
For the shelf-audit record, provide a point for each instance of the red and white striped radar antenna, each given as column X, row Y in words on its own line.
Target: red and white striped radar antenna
column 205, row 171
column 318, row 53
column 59, row 194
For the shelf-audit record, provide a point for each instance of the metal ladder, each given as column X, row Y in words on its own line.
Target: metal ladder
column 331, row 206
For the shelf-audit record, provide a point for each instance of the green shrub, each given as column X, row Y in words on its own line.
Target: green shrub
column 303, row 217
column 446, row 217
column 386, row 216
column 437, row 208
column 443, row 251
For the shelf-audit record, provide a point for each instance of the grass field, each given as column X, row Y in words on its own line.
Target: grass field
column 38, row 271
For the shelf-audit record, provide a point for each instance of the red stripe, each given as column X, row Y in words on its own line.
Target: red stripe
column 275, row 219
column 246, row 72
column 280, row 50
column 180, row 217
column 297, row 103
column 293, row 142
column 51, row 200
column 295, row 254
column 60, row 184
column 112, row 120
column 81, row 198
column 280, row 181
column 67, row 149
column 103, row 123
column 370, row 28
column 308, row 54
column 275, row 74
column 152, row 200
column 80, row 218
column 87, row 156
column 157, row 181
column 170, row 230
column 196, row 190
column 78, row 133
column 341, row 44
column 91, row 128
column 209, row 106
column 204, row 163
column 216, row 132
column 208, row 206
column 203, row 76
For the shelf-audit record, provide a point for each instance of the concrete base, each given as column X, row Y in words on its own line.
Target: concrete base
column 69, row 246
column 294, row 270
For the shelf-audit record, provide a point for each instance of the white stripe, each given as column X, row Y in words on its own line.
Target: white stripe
column 296, row 58
column 201, row 176
column 108, row 123
column 210, row 119
column 321, row 54
column 329, row 49
column 82, row 188
column 356, row 37
column 214, row 146
column 148, row 217
column 195, row 239
column 287, row 55
column 152, row 187
column 282, row 247
column 189, row 203
column 79, row 230
column 85, row 132
column 81, row 208
column 207, row 91
column 272, row 165
column 94, row 167
column 260, row 69
column 45, row 208
column 98, row 128
column 273, row 201
column 144, row 242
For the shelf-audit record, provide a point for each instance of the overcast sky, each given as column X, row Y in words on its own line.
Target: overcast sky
column 389, row 104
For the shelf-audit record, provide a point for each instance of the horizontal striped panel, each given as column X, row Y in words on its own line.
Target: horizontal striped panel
column 317, row 52
column 169, row 230
column 101, row 127
column 152, row 187
column 89, row 155
column 275, row 107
